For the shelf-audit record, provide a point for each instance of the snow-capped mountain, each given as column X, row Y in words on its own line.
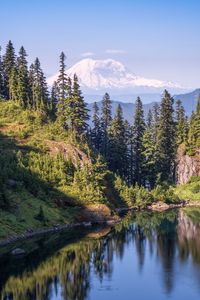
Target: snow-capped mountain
column 100, row 75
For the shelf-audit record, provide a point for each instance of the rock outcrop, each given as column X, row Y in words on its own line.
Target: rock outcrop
column 78, row 157
column 187, row 166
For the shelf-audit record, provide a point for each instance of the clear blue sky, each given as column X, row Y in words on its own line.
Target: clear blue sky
column 156, row 38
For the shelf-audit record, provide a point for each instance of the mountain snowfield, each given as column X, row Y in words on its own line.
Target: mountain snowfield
column 98, row 75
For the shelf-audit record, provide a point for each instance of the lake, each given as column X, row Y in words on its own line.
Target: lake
column 148, row 256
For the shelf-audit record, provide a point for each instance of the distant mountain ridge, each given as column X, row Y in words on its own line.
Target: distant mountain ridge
column 189, row 102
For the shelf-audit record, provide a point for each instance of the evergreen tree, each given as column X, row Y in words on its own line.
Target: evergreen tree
column 13, row 84
column 38, row 87
column 166, row 139
column 54, row 98
column 8, row 64
column 106, row 119
column 129, row 158
column 2, row 87
column 31, row 73
column 23, row 88
column 79, row 112
column 181, row 124
column 155, row 121
column 62, row 91
column 194, row 130
column 117, row 160
column 70, row 104
column 149, row 152
column 137, row 143
column 96, row 130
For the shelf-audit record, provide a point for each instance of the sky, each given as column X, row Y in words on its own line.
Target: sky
column 153, row 38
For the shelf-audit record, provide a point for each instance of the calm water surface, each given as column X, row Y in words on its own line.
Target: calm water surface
column 149, row 256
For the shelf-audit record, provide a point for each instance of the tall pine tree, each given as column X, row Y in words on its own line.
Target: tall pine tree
column 166, row 140
column 106, row 119
column 13, row 84
column 2, row 86
column 117, row 160
column 137, row 143
column 181, row 124
column 62, row 86
column 8, row 64
column 149, row 152
column 96, row 130
column 79, row 112
column 54, row 98
column 194, row 130
column 23, row 88
column 38, row 87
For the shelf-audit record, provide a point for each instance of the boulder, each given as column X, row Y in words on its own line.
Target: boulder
column 159, row 206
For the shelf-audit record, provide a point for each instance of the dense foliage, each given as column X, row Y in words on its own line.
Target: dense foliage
column 128, row 163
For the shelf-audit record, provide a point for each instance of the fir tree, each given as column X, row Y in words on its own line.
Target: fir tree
column 166, row 139
column 62, row 91
column 79, row 112
column 106, row 119
column 117, row 160
column 8, row 64
column 194, row 130
column 155, row 121
column 23, row 88
column 54, row 98
column 31, row 73
column 137, row 143
column 13, row 85
column 38, row 87
column 181, row 124
column 96, row 130
column 2, row 86
column 70, row 104
column 129, row 158
column 149, row 152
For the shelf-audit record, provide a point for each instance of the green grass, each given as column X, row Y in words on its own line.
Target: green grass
column 189, row 191
column 23, row 214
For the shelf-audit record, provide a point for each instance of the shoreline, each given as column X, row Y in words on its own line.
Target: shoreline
column 28, row 235
column 155, row 207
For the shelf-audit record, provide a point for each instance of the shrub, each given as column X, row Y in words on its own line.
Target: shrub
column 194, row 179
column 143, row 197
column 40, row 216
column 165, row 194
column 196, row 189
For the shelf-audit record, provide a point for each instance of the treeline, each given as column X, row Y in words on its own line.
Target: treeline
column 143, row 153
column 28, row 86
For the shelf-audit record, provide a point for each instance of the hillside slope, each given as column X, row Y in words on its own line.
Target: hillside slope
column 46, row 177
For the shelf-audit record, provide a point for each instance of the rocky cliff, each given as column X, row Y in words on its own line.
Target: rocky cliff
column 186, row 166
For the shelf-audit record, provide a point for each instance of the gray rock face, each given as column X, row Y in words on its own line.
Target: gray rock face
column 187, row 166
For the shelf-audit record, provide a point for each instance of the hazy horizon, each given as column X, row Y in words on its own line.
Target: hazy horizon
column 154, row 39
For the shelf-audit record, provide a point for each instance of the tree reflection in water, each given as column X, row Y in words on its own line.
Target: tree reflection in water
column 59, row 263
